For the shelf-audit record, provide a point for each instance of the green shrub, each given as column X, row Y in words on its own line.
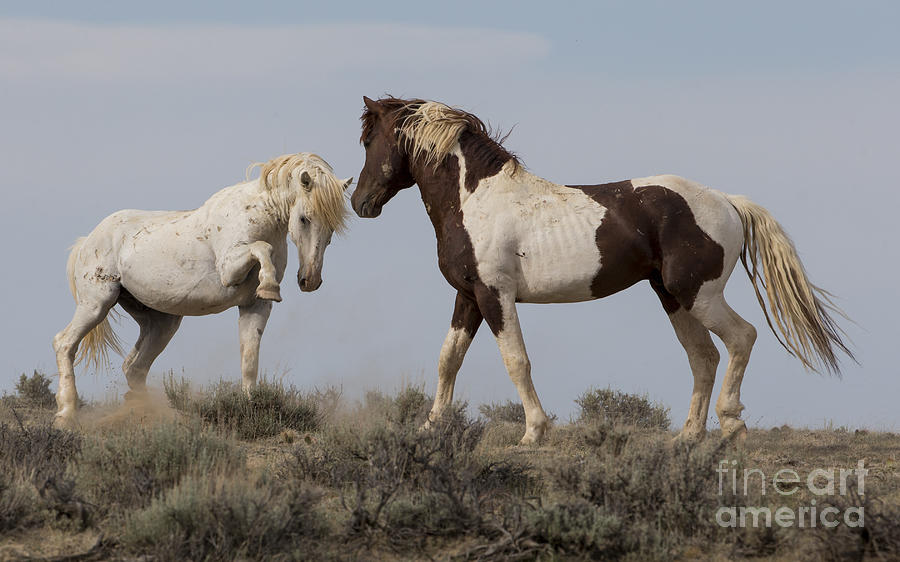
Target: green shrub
column 410, row 406
column 35, row 486
column 581, row 529
column 35, row 390
column 619, row 408
column 218, row 518
column 128, row 468
column 269, row 409
column 20, row 504
column 512, row 412
column 663, row 494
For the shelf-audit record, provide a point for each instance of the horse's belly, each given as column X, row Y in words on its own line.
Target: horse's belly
column 184, row 294
column 560, row 268
column 178, row 278
column 548, row 244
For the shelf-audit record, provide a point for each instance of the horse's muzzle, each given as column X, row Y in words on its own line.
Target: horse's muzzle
column 368, row 209
column 307, row 285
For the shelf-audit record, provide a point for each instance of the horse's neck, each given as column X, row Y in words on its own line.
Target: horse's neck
column 249, row 198
column 447, row 186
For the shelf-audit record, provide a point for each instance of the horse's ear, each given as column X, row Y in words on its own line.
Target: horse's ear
column 372, row 105
column 348, row 182
column 306, row 181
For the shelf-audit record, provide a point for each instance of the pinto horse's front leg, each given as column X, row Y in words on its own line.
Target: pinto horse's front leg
column 466, row 320
column 499, row 310
column 236, row 265
column 251, row 324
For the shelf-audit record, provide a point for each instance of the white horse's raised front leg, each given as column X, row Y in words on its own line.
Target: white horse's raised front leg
column 251, row 324
column 499, row 310
column 466, row 319
column 237, row 263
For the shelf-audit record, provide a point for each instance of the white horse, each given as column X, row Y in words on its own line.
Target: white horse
column 162, row 265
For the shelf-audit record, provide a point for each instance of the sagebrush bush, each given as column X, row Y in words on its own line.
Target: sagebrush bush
column 616, row 407
column 34, row 391
column 409, row 406
column 510, row 411
column 211, row 517
column 20, row 504
column 506, row 412
column 581, row 529
column 407, row 484
column 129, row 467
column 662, row 493
column 266, row 411
column 34, row 482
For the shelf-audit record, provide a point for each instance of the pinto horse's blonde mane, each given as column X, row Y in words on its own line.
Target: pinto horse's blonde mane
column 431, row 129
column 325, row 201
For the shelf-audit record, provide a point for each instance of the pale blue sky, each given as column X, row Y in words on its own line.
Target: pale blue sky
column 105, row 106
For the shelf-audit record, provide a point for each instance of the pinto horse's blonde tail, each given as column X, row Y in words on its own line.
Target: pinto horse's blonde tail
column 800, row 309
column 96, row 344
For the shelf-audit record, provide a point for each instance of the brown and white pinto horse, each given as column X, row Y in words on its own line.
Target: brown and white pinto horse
column 505, row 236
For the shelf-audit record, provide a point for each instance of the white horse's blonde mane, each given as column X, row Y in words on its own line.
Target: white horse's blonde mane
column 325, row 201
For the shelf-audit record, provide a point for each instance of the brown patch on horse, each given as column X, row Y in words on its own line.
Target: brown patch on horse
column 466, row 315
column 651, row 233
column 484, row 158
column 439, row 187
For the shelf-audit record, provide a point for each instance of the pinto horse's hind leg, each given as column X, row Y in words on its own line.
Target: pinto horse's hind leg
column 703, row 358
column 739, row 336
column 93, row 305
column 157, row 329
column 466, row 320
column 251, row 324
column 499, row 311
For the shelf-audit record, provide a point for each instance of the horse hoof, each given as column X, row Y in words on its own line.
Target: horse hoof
column 688, row 437
column 64, row 422
column 735, row 431
column 269, row 294
column 135, row 395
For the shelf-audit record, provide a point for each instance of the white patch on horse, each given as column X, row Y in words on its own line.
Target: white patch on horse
column 461, row 161
column 546, row 250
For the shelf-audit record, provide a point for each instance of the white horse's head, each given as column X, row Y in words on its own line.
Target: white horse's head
column 307, row 194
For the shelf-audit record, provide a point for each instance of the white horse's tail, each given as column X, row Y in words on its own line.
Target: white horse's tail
column 800, row 309
column 96, row 344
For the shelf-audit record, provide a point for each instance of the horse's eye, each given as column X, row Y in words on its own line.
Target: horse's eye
column 366, row 143
column 304, row 221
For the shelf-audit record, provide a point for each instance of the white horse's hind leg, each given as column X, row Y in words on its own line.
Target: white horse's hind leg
column 703, row 358
column 93, row 305
column 251, row 324
column 236, row 265
column 508, row 333
column 157, row 329
column 739, row 337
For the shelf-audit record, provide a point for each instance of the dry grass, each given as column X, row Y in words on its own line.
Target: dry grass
column 363, row 482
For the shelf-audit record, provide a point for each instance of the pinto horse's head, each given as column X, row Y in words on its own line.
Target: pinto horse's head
column 387, row 167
